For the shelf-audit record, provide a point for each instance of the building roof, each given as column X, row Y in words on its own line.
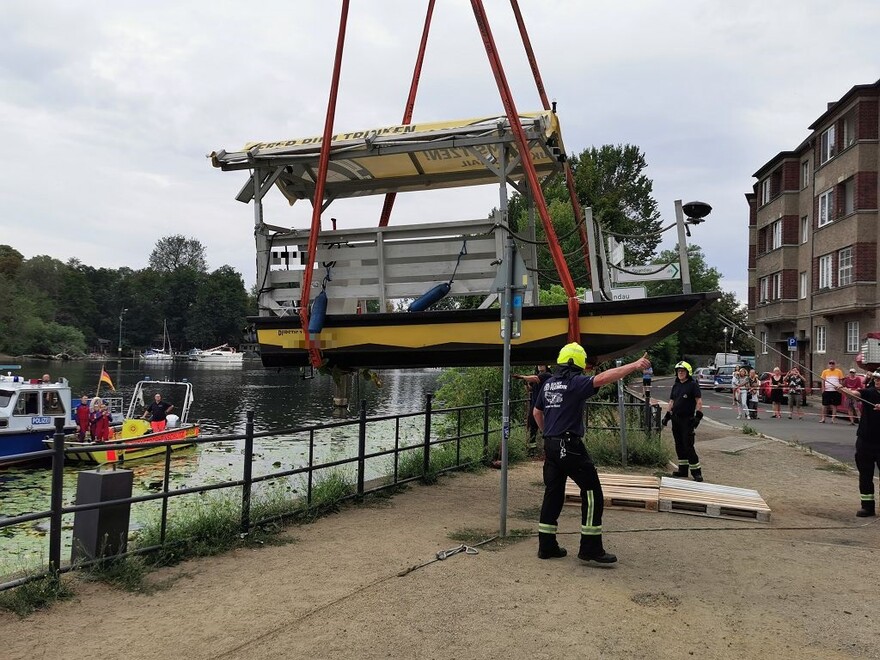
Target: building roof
column 856, row 90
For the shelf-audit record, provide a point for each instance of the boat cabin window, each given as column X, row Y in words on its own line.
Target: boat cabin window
column 52, row 404
column 5, row 398
column 28, row 403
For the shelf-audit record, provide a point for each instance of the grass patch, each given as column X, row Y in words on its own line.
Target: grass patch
column 35, row 595
column 837, row 468
column 126, row 573
column 749, row 430
column 642, row 449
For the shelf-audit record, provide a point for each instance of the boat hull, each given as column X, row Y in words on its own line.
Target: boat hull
column 85, row 454
column 472, row 337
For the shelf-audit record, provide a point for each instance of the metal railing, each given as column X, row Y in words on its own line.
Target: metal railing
column 479, row 416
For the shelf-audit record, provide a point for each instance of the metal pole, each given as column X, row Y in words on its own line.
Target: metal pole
column 595, row 284
column 621, row 411
column 248, row 475
column 485, row 425
column 682, row 249
column 56, row 498
column 426, row 457
column 507, row 333
column 362, row 445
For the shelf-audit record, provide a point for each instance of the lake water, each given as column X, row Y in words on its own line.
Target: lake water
column 223, row 395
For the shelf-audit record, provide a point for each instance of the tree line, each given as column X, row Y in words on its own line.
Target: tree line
column 49, row 307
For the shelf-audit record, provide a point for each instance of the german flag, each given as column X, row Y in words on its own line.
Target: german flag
column 105, row 378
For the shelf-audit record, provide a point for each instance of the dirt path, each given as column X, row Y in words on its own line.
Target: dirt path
column 684, row 584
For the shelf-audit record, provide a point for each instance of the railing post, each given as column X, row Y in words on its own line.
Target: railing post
column 248, row 476
column 485, row 425
column 163, row 522
column 648, row 409
column 426, row 459
column 57, row 498
column 621, row 413
column 362, row 446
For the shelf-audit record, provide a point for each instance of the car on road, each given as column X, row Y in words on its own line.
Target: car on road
column 723, row 377
column 705, row 376
column 764, row 390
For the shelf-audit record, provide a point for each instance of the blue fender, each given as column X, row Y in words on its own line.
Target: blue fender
column 427, row 299
column 319, row 314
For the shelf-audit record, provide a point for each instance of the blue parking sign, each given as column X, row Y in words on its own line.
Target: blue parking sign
column 792, row 343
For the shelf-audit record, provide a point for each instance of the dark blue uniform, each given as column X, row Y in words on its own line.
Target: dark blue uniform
column 562, row 401
column 868, row 447
column 684, row 397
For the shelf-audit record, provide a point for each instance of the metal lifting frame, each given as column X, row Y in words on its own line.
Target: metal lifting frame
column 522, row 145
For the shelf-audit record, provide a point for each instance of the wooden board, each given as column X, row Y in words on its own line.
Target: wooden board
column 621, row 491
column 715, row 500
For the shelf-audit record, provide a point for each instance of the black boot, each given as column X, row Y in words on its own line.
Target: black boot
column 696, row 473
column 681, row 472
column 591, row 550
column 548, row 547
column 867, row 510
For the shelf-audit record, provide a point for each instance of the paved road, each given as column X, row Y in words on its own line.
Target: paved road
column 836, row 440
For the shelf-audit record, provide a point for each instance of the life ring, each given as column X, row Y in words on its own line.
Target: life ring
column 132, row 428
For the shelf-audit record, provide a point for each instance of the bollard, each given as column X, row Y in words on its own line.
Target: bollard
column 99, row 533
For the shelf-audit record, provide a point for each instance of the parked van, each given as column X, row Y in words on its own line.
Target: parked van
column 725, row 358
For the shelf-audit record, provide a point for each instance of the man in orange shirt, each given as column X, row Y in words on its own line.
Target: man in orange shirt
column 832, row 378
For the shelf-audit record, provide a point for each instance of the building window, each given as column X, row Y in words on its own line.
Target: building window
column 777, row 286
column 827, row 146
column 763, row 343
column 805, row 229
column 803, row 291
column 826, row 207
column 852, row 337
column 776, row 235
column 825, row 278
column 765, row 191
column 805, row 174
column 849, row 196
column 764, row 286
column 820, row 339
column 845, row 267
column 849, row 130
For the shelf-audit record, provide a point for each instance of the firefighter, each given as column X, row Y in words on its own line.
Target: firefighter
column 867, row 442
column 685, row 410
column 559, row 412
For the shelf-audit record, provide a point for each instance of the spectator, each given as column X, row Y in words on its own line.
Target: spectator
column 831, row 380
column 852, row 382
column 796, row 385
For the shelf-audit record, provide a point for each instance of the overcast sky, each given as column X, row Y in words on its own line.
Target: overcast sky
column 108, row 109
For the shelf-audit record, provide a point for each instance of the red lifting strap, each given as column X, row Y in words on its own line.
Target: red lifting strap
column 529, row 169
column 317, row 203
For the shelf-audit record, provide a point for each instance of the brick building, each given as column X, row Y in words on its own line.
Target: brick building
column 813, row 233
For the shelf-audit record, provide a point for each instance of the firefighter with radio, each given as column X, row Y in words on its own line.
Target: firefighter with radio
column 685, row 410
column 559, row 413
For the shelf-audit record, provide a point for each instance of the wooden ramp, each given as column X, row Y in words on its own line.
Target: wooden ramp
column 622, row 491
column 715, row 500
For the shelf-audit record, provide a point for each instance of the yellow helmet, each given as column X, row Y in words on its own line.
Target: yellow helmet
column 574, row 352
column 684, row 365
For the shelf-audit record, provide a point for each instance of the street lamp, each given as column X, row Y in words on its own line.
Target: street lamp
column 121, row 314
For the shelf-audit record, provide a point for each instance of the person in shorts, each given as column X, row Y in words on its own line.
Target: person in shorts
column 832, row 379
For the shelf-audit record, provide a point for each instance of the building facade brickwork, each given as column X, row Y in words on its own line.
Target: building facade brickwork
column 814, row 228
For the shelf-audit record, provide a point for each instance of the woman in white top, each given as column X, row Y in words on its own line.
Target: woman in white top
column 740, row 385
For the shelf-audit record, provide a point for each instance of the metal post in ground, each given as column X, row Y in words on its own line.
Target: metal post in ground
column 485, row 425
column 426, row 461
column 163, row 522
column 647, row 409
column 248, row 475
column 621, row 410
column 56, row 498
column 362, row 446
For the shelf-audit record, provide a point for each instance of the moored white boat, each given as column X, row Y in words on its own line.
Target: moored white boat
column 223, row 354
column 164, row 354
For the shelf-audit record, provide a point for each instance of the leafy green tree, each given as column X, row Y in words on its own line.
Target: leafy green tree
column 703, row 333
column 217, row 315
column 10, row 260
column 177, row 251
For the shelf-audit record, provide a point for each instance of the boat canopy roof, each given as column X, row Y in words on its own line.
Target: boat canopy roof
column 407, row 157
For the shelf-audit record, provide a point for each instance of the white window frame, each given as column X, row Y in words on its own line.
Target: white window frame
column 805, row 228
column 805, row 174
column 826, row 274
column 803, row 287
column 852, row 337
column 776, row 235
column 845, row 266
column 765, row 191
column 827, row 145
column 826, row 207
column 821, row 345
column 763, row 340
column 777, row 286
column 763, row 289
